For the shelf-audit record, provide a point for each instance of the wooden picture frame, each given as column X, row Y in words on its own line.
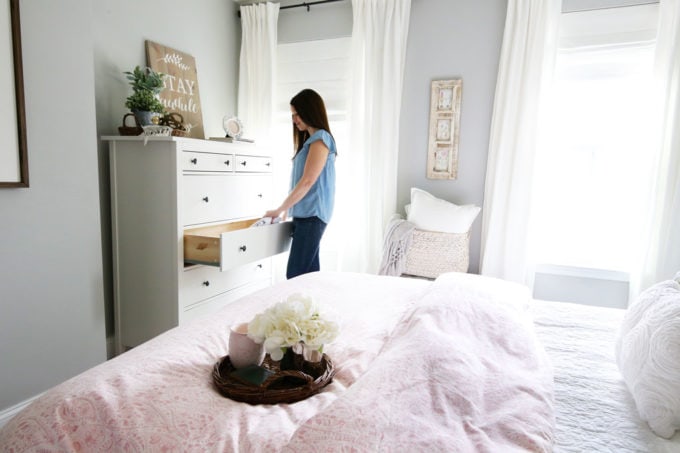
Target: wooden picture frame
column 13, row 151
column 444, row 132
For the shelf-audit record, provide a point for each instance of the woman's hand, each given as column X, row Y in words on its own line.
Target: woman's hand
column 278, row 212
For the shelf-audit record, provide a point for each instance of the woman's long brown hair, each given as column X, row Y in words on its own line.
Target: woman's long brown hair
column 311, row 109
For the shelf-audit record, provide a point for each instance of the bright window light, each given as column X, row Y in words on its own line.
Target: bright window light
column 592, row 166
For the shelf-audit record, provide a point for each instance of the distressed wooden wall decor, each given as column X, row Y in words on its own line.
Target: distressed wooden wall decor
column 442, row 152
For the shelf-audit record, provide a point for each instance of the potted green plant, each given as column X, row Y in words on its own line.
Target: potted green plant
column 144, row 102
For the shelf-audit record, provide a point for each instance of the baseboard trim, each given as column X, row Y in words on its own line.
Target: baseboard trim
column 7, row 414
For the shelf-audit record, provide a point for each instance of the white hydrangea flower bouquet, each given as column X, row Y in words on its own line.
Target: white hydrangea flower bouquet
column 294, row 322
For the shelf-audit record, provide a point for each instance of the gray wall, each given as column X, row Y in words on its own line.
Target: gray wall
column 51, row 291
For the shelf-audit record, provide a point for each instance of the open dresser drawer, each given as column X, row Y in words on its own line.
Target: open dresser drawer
column 232, row 244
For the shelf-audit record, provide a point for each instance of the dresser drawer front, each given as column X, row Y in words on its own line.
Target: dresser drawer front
column 244, row 246
column 235, row 246
column 203, row 282
column 253, row 164
column 215, row 304
column 193, row 161
column 216, row 198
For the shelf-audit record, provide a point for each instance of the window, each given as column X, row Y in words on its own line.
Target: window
column 323, row 66
column 592, row 165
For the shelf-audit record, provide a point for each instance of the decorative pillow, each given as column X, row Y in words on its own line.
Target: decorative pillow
column 647, row 353
column 434, row 214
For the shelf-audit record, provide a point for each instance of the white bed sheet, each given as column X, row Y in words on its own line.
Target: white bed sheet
column 594, row 410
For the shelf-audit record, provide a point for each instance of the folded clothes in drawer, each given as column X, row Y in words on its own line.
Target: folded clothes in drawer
column 266, row 221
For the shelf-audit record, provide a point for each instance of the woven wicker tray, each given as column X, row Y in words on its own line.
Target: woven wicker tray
column 287, row 386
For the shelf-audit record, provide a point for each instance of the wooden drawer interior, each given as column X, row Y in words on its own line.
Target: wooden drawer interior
column 231, row 244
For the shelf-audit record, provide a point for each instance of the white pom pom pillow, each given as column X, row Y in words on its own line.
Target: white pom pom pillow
column 648, row 355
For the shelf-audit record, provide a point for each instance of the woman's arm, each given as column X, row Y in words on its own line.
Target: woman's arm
column 316, row 160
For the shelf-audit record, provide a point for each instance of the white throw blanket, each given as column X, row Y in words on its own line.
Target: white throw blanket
column 395, row 246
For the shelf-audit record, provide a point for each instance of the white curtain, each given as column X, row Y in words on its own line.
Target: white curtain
column 527, row 57
column 379, row 37
column 662, row 241
column 257, row 70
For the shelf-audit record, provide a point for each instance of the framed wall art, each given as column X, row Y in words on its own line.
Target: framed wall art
column 442, row 150
column 181, row 85
column 13, row 152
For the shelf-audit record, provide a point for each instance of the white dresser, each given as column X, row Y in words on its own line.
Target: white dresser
column 181, row 211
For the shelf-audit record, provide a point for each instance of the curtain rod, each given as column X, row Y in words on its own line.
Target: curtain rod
column 307, row 5
column 304, row 5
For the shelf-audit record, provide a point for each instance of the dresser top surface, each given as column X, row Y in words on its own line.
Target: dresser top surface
column 166, row 138
column 191, row 144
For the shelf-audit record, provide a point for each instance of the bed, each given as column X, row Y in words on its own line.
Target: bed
column 594, row 410
column 462, row 363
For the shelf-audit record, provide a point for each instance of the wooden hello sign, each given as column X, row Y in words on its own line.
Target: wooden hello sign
column 181, row 85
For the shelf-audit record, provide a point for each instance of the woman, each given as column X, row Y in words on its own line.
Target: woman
column 310, row 200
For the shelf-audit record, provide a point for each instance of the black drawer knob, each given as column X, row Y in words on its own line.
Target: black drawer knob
column 206, row 283
column 206, row 199
column 268, row 164
column 227, row 162
column 244, row 163
column 259, row 195
column 242, row 248
column 194, row 161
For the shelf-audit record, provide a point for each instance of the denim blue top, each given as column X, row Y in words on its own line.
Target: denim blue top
column 319, row 200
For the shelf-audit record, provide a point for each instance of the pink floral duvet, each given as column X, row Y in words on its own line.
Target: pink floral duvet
column 450, row 365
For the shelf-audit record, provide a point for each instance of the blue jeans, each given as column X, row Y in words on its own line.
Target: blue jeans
column 304, row 251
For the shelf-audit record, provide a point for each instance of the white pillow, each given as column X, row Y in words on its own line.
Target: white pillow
column 647, row 352
column 434, row 214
